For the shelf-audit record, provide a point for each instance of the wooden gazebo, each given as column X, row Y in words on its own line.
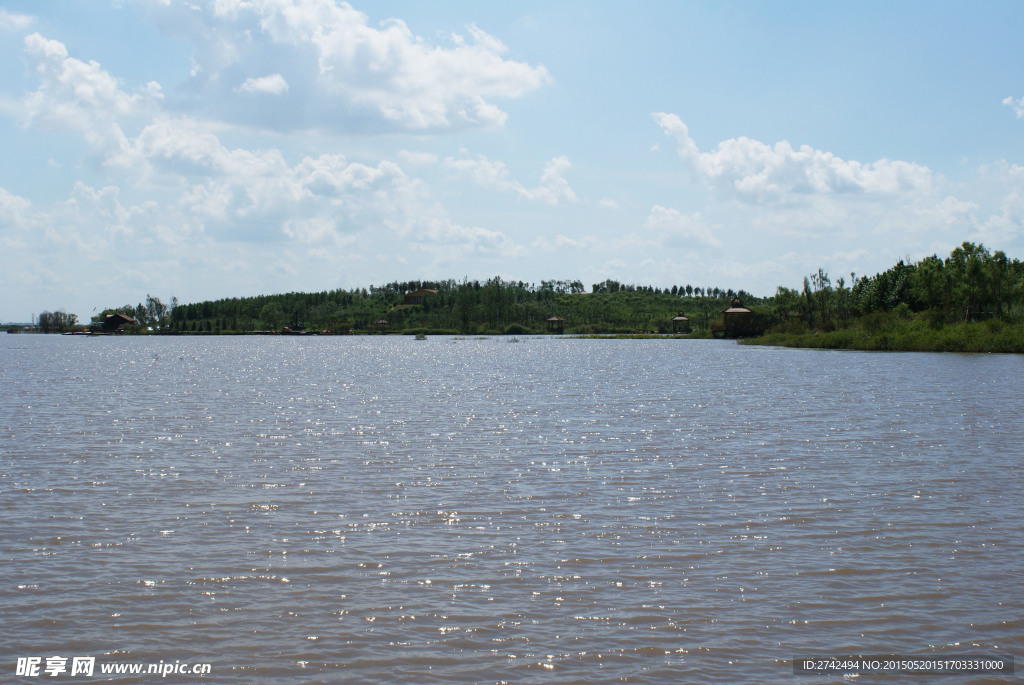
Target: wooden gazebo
column 737, row 320
column 680, row 323
column 556, row 324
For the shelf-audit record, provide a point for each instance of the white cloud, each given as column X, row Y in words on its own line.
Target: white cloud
column 258, row 195
column 674, row 127
column 582, row 244
column 79, row 96
column 11, row 21
column 332, row 175
column 268, row 85
column 677, row 229
column 12, row 209
column 544, row 243
column 208, row 189
column 341, row 70
column 1017, row 105
column 483, row 171
column 15, row 213
column 615, row 265
column 81, row 229
column 553, row 188
column 846, row 215
column 776, row 194
column 184, row 149
column 417, row 158
column 943, row 213
column 311, row 230
column 453, row 241
column 755, row 172
column 1004, row 228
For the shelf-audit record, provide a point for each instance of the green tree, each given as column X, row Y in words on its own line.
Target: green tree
column 1000, row 277
column 57, row 322
column 786, row 303
column 271, row 316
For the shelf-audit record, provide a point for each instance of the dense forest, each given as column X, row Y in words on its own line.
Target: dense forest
column 971, row 284
column 971, row 300
column 494, row 306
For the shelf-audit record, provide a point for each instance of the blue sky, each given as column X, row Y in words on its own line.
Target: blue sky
column 220, row 148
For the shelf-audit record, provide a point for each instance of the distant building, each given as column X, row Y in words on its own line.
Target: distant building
column 681, row 323
column 737, row 320
column 112, row 323
column 556, row 324
column 416, row 296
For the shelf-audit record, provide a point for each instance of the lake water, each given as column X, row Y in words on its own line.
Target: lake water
column 381, row 509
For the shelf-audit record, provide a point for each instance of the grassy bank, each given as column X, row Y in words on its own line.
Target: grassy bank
column 899, row 334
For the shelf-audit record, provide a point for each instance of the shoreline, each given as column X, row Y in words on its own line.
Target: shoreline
column 993, row 336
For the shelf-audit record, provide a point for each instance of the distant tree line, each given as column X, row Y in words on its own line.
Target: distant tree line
column 491, row 306
column 57, row 322
column 971, row 284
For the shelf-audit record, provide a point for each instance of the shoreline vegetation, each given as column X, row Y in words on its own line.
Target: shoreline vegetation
column 971, row 301
column 909, row 335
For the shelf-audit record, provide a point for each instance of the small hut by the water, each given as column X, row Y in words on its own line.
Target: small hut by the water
column 381, row 324
column 556, row 324
column 112, row 323
column 737, row 319
column 680, row 323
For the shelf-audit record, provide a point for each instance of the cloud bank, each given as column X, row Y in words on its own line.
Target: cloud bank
column 755, row 172
column 553, row 188
column 335, row 70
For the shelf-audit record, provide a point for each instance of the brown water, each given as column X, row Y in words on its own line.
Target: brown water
column 380, row 509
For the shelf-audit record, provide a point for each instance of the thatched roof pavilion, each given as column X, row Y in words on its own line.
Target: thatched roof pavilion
column 737, row 320
column 736, row 307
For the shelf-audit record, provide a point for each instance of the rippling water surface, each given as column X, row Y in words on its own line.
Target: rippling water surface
column 377, row 509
